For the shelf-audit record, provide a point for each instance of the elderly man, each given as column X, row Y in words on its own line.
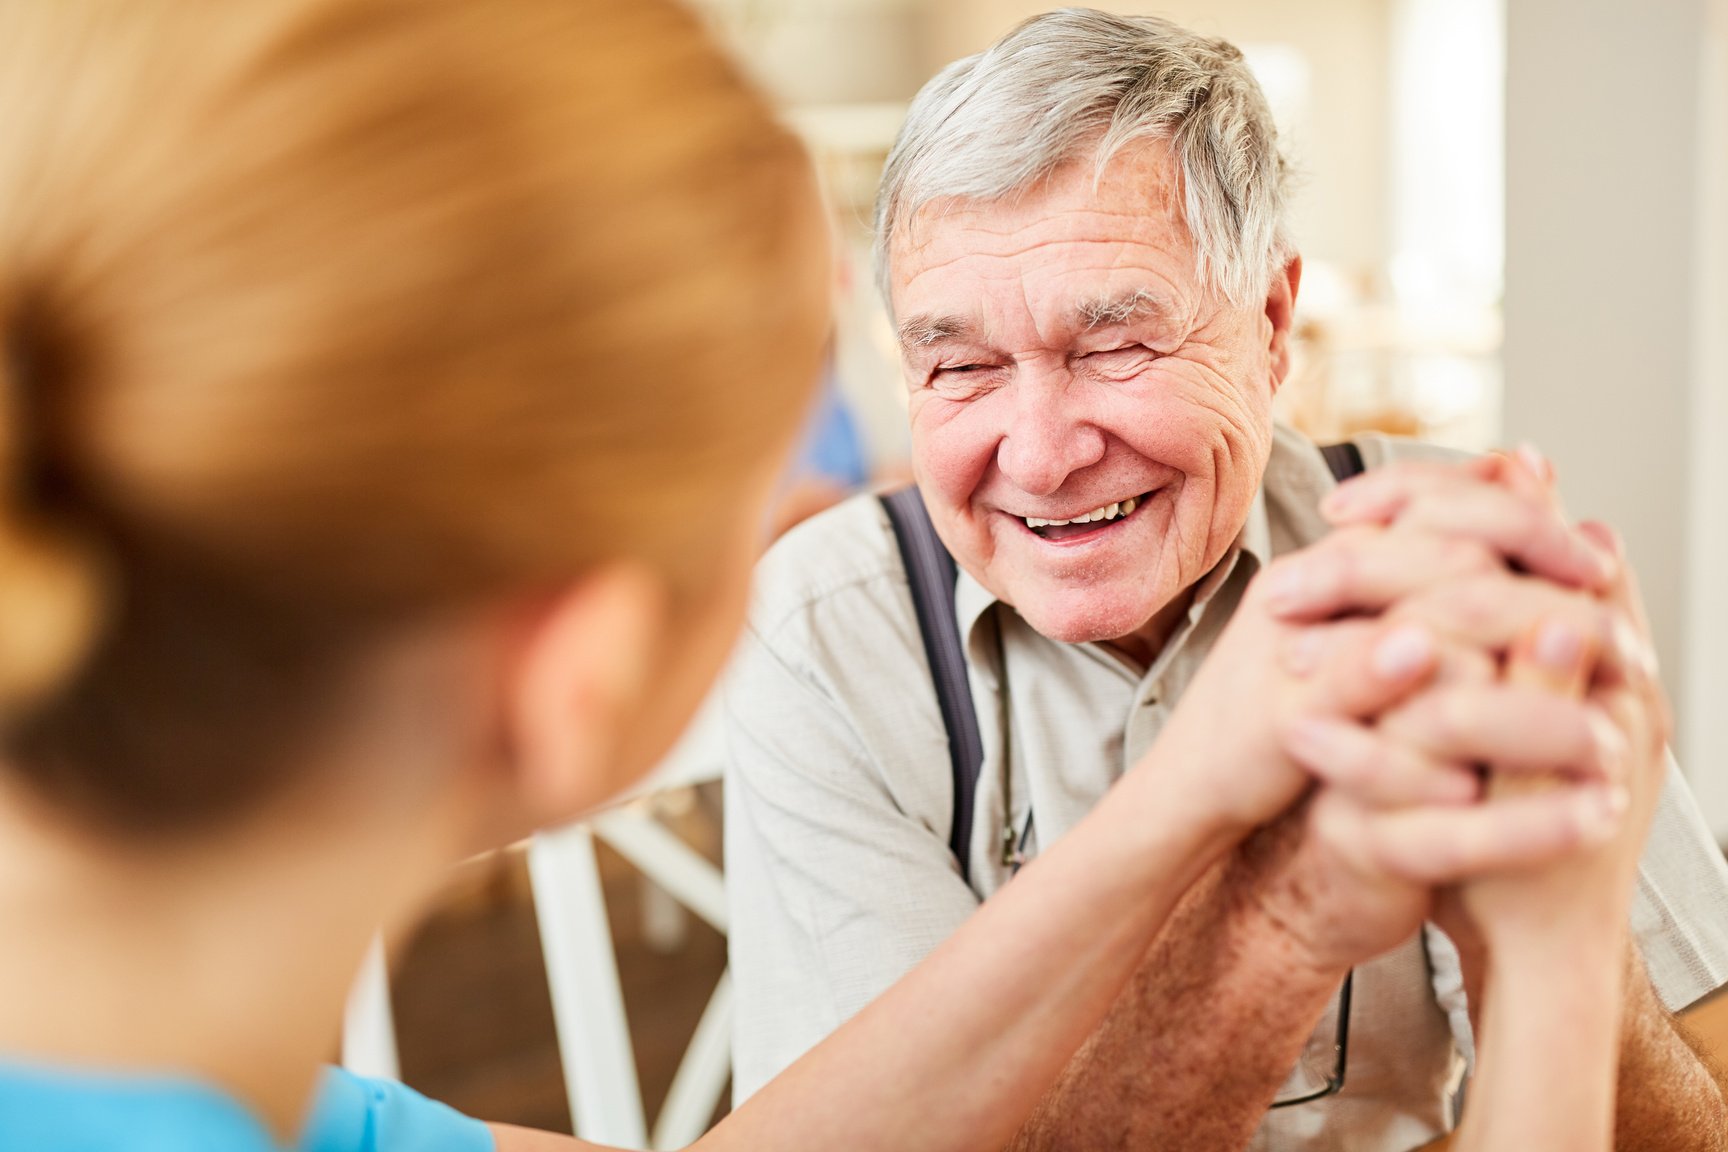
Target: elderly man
column 1083, row 247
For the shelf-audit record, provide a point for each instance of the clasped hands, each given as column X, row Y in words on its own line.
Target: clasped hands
column 1446, row 710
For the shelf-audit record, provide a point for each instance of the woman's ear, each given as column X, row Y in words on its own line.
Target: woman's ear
column 581, row 679
column 1281, row 312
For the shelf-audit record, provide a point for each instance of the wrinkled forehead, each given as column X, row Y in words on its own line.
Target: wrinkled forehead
column 1078, row 235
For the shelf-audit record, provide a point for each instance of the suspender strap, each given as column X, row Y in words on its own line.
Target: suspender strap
column 1344, row 459
column 931, row 573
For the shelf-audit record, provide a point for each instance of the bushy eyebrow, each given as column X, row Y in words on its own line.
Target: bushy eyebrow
column 926, row 329
column 1122, row 308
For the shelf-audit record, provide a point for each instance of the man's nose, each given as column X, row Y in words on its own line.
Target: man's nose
column 1047, row 440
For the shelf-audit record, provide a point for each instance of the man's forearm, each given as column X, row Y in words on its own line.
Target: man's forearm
column 1196, row 1045
column 1671, row 1099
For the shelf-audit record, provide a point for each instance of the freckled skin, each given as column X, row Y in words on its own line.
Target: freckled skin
column 1031, row 412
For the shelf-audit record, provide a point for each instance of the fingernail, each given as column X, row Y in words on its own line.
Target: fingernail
column 1404, row 652
column 1301, row 652
column 1600, row 558
column 1603, row 537
column 1631, row 648
column 1534, row 461
column 1558, row 646
column 1601, row 812
column 1607, row 565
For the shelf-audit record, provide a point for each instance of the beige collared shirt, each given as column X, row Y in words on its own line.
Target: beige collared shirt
column 839, row 803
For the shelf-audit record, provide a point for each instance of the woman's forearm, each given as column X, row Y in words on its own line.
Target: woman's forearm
column 1548, row 1049
column 957, row 1053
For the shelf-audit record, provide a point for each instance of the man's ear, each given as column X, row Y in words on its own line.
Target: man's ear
column 580, row 680
column 1281, row 312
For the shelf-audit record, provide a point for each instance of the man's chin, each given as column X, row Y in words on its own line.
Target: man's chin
column 1089, row 621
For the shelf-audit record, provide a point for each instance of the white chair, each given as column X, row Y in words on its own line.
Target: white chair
column 581, row 966
column 368, row 1026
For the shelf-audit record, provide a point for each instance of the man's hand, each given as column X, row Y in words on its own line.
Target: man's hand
column 1223, row 742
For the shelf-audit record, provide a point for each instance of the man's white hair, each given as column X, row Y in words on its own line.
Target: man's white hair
column 1076, row 81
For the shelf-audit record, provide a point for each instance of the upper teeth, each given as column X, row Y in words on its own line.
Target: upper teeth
column 1108, row 512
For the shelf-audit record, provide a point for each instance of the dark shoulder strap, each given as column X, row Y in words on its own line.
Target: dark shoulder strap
column 931, row 573
column 1345, row 460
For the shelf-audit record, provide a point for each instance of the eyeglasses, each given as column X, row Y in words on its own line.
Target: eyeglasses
column 1308, row 1083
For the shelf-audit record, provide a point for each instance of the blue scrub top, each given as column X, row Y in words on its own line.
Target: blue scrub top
column 62, row 1110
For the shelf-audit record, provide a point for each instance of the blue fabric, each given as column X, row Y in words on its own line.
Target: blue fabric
column 61, row 1110
column 44, row 1110
column 830, row 448
column 352, row 1114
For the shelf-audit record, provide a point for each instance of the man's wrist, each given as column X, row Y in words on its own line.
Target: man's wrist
column 1177, row 820
column 1260, row 929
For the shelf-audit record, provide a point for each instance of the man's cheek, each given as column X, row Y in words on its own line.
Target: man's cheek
column 1189, row 428
column 952, row 462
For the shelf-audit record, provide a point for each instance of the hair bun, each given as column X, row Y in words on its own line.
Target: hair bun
column 51, row 584
column 50, row 610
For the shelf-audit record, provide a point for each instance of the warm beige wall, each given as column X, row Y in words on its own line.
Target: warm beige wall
column 835, row 51
column 824, row 51
column 1341, row 213
column 1603, row 285
column 1704, row 710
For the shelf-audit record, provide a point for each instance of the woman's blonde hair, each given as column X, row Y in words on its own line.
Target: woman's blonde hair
column 319, row 316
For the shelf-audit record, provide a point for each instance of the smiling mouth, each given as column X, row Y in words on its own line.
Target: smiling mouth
column 1087, row 523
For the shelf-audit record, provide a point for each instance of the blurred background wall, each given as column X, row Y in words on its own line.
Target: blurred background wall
column 1704, row 626
column 1615, row 314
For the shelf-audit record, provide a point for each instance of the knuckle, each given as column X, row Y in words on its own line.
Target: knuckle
column 1331, row 574
column 1464, row 664
column 1458, row 557
column 1472, row 605
column 1281, row 564
column 1447, row 856
column 1333, row 823
column 1603, row 745
column 1611, row 631
column 1287, row 724
column 1632, row 651
column 1449, row 720
column 1476, row 666
column 1401, row 724
column 1535, row 521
